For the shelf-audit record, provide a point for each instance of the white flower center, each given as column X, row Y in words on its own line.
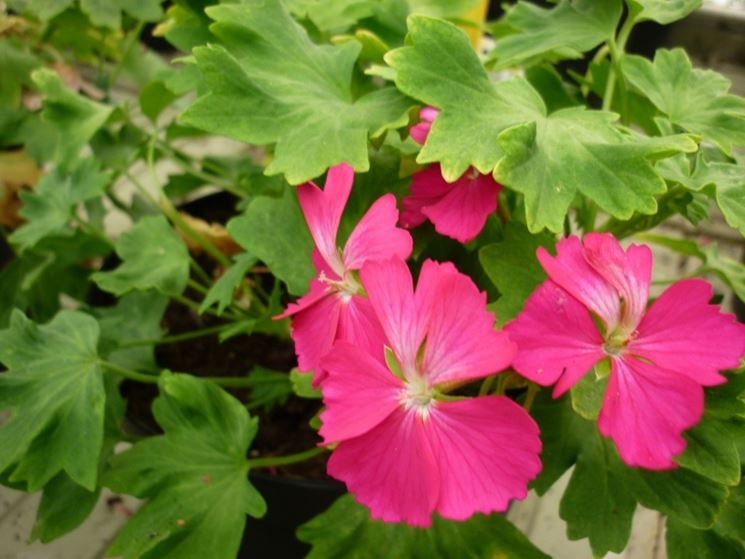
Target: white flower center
column 418, row 396
column 345, row 287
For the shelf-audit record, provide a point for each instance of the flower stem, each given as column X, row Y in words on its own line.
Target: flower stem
column 177, row 337
column 270, row 461
column 530, row 397
column 486, row 385
column 129, row 374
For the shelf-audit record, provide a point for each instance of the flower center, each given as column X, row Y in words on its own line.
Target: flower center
column 418, row 396
column 346, row 287
column 615, row 344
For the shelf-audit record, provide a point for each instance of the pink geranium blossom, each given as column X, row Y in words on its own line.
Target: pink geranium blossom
column 660, row 357
column 333, row 308
column 404, row 449
column 457, row 210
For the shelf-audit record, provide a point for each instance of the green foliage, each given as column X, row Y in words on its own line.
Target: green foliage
column 73, row 118
column 223, row 290
column 684, row 542
column 662, row 11
column 512, row 268
column 302, row 385
column 17, row 63
column 346, row 530
column 565, row 31
column 268, row 388
column 194, row 476
column 311, row 113
column 587, row 395
column 63, row 507
column 274, row 230
column 440, row 68
column 50, row 206
column 54, row 389
column 153, row 257
column 695, row 100
column 108, row 13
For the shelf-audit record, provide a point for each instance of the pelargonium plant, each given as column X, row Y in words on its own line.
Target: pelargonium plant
column 376, row 243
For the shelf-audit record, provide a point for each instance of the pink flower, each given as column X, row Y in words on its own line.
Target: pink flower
column 333, row 309
column 660, row 357
column 404, row 448
column 457, row 210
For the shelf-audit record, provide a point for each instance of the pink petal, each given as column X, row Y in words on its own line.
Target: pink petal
column 376, row 236
column 684, row 333
column 323, row 209
column 628, row 272
column 487, row 449
column 359, row 325
column 420, row 131
column 314, row 330
column 358, row 392
column 427, row 188
column 316, row 291
column 645, row 411
column 391, row 469
column 461, row 342
column 461, row 214
column 556, row 338
column 571, row 271
column 389, row 287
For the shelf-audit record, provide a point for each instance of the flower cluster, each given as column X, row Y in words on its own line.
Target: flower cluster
column 388, row 357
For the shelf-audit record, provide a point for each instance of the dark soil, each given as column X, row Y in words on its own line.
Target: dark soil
column 282, row 430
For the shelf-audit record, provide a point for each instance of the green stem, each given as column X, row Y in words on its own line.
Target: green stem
column 199, row 271
column 130, row 374
column 530, row 397
column 91, row 230
column 487, row 384
column 501, row 384
column 270, row 461
column 132, row 39
column 617, row 46
column 206, row 177
column 176, row 337
column 196, row 286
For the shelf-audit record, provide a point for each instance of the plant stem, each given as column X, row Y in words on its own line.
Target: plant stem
column 487, row 384
column 176, row 337
column 616, row 46
column 132, row 39
column 226, row 184
column 129, row 374
column 530, row 396
column 270, row 461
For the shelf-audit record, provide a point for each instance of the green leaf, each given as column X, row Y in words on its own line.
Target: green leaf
column 440, row 68
column 681, row 494
column 564, row 31
column 729, row 271
column 50, row 206
column 155, row 97
column 54, row 389
column 684, row 542
column 73, row 118
column 512, row 267
column 587, row 395
column 712, row 444
column 153, row 257
column 695, row 100
column 310, row 113
column 64, row 506
column 17, row 63
column 108, row 13
column 662, row 11
column 345, row 530
column 302, row 385
column 222, row 291
column 41, row 9
column 194, row 477
column 596, row 503
column 136, row 316
column 274, row 230
column 575, row 149
column 730, row 519
column 268, row 388
column 563, row 434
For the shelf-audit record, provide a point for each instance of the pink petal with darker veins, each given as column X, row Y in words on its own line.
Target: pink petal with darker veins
column 314, row 330
column 556, row 338
column 391, row 469
column 629, row 272
column 645, row 411
column 376, row 236
column 323, row 210
column 461, row 213
column 461, row 343
column 570, row 270
column 390, row 288
column 487, row 449
column 359, row 325
column 684, row 333
column 359, row 392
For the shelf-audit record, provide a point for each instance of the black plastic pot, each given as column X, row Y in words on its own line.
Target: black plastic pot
column 290, row 503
